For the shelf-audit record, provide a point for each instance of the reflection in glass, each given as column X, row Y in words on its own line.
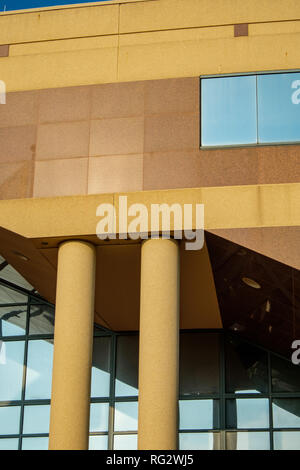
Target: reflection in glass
column 126, row 416
column 99, row 417
column 98, row 442
column 247, row 440
column 36, row 419
column 41, row 320
column 13, row 320
column 35, row 443
column 11, row 370
column 101, row 367
column 278, row 107
column 127, row 366
column 39, row 369
column 247, row 413
column 125, row 442
column 246, row 368
column 199, row 441
column 285, row 375
column 11, row 275
column 198, row 414
column 9, row 444
column 199, row 363
column 11, row 296
column 228, row 111
column 286, row 440
column 10, row 420
column 286, row 413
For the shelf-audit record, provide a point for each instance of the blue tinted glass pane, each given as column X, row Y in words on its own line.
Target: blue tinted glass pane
column 10, row 420
column 199, row 441
column 41, row 320
column 101, row 367
column 228, row 114
column 11, row 275
column 11, row 370
column 247, row 441
column 35, row 443
column 286, row 413
column 98, row 442
column 127, row 366
column 287, row 440
column 126, row 416
column 13, row 321
column 125, row 442
column 278, row 107
column 99, row 417
column 198, row 414
column 36, row 419
column 247, row 413
column 9, row 444
column 246, row 368
column 11, row 296
column 39, row 369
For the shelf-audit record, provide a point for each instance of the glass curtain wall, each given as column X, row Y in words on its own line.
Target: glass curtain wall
column 233, row 395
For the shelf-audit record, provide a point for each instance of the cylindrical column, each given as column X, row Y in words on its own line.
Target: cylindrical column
column 73, row 342
column 159, row 346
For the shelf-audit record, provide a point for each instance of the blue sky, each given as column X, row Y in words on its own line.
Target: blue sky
column 22, row 4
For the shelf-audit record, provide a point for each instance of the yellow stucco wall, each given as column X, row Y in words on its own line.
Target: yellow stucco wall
column 146, row 40
column 225, row 207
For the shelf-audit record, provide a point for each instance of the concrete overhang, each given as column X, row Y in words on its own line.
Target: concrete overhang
column 35, row 228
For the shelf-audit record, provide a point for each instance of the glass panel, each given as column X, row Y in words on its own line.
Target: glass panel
column 13, row 321
column 101, row 367
column 35, row 443
column 127, row 366
column 199, row 363
column 278, row 107
column 126, row 442
column 99, row 417
column 199, row 441
column 11, row 370
column 11, row 296
column 9, row 444
column 39, row 369
column 11, row 275
column 286, row 413
column 10, row 420
column 98, row 442
column 198, row 414
column 126, row 416
column 285, row 376
column 246, row 368
column 247, row 413
column 228, row 111
column 247, row 441
column 41, row 320
column 286, row 440
column 36, row 419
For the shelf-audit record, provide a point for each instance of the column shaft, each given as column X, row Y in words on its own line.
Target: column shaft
column 73, row 342
column 159, row 345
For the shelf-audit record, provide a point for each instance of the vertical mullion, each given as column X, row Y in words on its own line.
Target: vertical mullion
column 24, row 373
column 112, row 391
column 222, row 392
column 270, row 401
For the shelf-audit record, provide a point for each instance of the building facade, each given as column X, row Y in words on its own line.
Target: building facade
column 113, row 337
